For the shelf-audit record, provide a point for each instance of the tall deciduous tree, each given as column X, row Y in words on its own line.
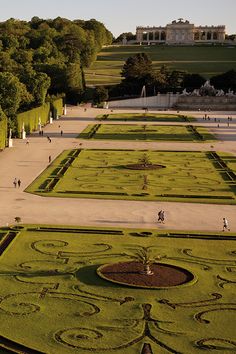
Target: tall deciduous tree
column 100, row 94
column 138, row 67
column 13, row 94
column 225, row 81
column 193, row 81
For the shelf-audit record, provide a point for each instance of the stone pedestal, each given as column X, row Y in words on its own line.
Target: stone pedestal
column 10, row 142
column 50, row 120
column 65, row 110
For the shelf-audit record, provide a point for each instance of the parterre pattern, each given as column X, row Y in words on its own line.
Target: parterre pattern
column 49, row 285
column 190, row 176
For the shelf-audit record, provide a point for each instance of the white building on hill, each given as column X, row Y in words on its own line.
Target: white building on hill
column 180, row 32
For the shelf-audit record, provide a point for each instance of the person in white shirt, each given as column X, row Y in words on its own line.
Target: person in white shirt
column 225, row 225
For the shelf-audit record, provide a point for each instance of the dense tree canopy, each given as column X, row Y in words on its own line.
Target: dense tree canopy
column 13, row 94
column 138, row 72
column 138, row 67
column 192, row 81
column 226, row 81
column 129, row 36
column 48, row 56
column 45, row 57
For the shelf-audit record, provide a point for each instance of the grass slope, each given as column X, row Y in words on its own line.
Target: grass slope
column 204, row 60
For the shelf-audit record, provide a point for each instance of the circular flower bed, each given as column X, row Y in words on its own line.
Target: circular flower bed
column 130, row 274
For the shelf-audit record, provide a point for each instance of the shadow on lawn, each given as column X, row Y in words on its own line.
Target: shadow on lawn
column 88, row 275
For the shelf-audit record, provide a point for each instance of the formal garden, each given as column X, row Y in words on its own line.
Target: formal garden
column 66, row 289
column 186, row 176
column 146, row 116
column 146, row 132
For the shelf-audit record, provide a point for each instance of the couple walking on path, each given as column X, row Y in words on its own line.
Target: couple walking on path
column 17, row 182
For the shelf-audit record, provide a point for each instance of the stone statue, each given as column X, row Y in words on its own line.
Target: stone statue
column 185, row 93
column 10, row 141
column 39, row 124
column 124, row 40
column 207, row 89
column 220, row 93
column 195, row 93
column 23, row 133
column 230, row 93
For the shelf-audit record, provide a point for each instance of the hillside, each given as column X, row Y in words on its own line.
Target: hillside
column 204, row 60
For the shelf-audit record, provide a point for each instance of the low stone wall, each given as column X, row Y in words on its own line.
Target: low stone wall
column 184, row 103
column 205, row 102
column 161, row 101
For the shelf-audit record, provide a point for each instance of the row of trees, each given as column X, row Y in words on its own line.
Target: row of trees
column 43, row 58
column 138, row 72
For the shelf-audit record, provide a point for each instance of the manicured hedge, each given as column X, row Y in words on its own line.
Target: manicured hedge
column 3, row 130
column 57, row 107
column 31, row 118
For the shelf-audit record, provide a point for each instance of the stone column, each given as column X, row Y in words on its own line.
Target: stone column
column 148, row 37
column 159, row 34
column 211, row 35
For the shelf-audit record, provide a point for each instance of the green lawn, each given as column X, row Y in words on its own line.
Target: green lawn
column 206, row 177
column 148, row 117
column 146, row 132
column 204, row 60
column 53, row 301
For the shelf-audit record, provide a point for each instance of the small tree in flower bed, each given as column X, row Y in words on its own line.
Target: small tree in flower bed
column 144, row 256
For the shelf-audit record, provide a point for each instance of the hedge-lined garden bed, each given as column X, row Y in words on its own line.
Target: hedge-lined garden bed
column 53, row 300
column 147, row 117
column 188, row 176
column 41, row 114
column 146, row 132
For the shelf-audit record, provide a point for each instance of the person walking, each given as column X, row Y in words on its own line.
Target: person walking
column 159, row 216
column 15, row 182
column 19, row 183
column 225, row 225
column 49, row 158
column 163, row 217
column 61, row 132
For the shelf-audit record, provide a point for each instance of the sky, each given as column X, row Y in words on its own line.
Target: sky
column 124, row 15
